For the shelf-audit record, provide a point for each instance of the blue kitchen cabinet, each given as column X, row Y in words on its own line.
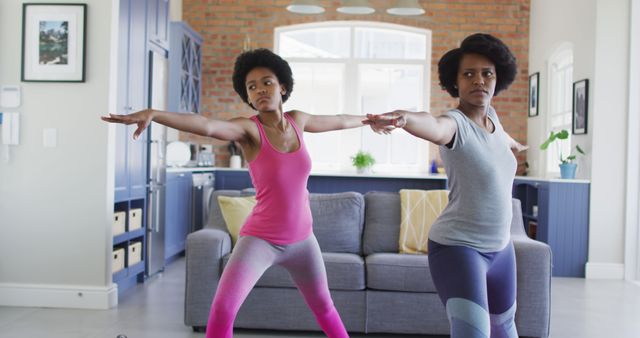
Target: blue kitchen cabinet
column 185, row 68
column 158, row 22
column 317, row 183
column 177, row 213
column 556, row 212
column 131, row 155
column 131, row 158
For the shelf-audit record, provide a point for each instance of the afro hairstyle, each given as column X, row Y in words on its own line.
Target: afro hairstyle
column 486, row 45
column 261, row 57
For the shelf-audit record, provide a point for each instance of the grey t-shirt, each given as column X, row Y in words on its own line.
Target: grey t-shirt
column 481, row 167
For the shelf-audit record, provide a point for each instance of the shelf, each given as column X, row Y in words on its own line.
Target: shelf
column 121, row 238
column 136, row 268
column 116, row 276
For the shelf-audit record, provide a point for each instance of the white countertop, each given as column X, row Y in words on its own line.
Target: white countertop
column 425, row 176
column 558, row 180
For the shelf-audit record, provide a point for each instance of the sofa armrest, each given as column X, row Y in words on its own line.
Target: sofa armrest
column 533, row 260
column 204, row 251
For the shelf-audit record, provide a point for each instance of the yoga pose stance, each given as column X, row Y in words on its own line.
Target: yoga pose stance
column 278, row 231
column 471, row 257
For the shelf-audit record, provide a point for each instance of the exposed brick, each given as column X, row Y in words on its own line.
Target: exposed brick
column 225, row 23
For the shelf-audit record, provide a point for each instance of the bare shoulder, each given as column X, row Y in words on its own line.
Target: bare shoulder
column 249, row 126
column 299, row 117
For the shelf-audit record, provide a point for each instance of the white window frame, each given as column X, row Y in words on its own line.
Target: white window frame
column 562, row 56
column 352, row 105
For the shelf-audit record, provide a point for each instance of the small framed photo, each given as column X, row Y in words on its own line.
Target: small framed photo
column 534, row 94
column 580, row 106
column 53, row 42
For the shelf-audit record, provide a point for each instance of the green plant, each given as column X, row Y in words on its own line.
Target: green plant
column 362, row 159
column 561, row 135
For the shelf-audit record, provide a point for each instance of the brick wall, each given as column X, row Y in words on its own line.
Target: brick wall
column 224, row 25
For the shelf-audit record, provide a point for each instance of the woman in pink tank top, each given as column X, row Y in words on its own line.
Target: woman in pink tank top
column 278, row 231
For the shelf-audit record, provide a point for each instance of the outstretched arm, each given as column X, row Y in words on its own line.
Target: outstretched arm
column 232, row 130
column 515, row 145
column 437, row 129
column 322, row 123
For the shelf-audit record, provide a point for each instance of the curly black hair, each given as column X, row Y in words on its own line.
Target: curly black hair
column 261, row 57
column 486, row 45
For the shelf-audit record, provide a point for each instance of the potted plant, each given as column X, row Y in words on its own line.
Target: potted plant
column 363, row 161
column 567, row 167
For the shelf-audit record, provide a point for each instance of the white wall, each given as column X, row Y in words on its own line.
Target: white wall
column 55, row 203
column 610, row 93
column 554, row 24
column 598, row 30
column 632, row 233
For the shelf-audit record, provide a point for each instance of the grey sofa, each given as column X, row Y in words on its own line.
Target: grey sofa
column 374, row 288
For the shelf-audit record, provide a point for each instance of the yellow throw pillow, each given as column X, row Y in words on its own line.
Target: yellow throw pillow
column 419, row 209
column 235, row 211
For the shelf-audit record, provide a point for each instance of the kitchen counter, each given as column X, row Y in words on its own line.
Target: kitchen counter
column 423, row 176
column 555, row 180
column 190, row 169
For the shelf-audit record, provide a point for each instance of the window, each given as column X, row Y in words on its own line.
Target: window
column 357, row 68
column 560, row 99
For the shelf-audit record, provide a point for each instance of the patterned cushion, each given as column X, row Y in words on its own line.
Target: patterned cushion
column 419, row 209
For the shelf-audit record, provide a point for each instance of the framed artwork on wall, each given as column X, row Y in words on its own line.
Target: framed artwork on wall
column 53, row 42
column 534, row 94
column 580, row 106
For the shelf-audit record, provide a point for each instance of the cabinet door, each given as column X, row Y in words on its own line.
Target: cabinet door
column 158, row 22
column 185, row 71
column 137, row 149
column 177, row 213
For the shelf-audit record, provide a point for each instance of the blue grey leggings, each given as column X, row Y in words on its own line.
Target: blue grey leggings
column 478, row 289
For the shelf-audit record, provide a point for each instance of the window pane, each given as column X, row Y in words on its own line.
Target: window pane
column 316, row 43
column 377, row 43
column 319, row 90
column 385, row 88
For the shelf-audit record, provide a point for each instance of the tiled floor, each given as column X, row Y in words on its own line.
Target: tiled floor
column 580, row 309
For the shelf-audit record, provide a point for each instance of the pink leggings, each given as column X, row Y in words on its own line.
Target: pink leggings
column 250, row 258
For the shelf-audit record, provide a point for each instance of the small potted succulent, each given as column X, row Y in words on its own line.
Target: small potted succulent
column 363, row 161
column 567, row 166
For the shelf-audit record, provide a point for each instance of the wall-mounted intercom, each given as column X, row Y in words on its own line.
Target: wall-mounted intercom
column 10, row 96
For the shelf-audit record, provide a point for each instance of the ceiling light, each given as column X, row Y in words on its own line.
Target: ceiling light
column 355, row 7
column 305, row 7
column 406, row 7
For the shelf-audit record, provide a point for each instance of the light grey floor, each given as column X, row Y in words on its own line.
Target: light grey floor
column 580, row 308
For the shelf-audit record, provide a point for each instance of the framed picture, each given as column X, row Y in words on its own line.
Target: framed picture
column 53, row 42
column 580, row 106
column 534, row 91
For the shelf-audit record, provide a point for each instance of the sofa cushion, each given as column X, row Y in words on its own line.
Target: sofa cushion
column 418, row 211
column 235, row 211
column 399, row 272
column 345, row 271
column 382, row 216
column 216, row 221
column 338, row 219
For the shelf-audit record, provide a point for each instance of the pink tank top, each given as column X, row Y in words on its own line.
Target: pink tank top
column 282, row 214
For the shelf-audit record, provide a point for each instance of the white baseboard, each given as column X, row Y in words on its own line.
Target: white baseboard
column 57, row 296
column 604, row 271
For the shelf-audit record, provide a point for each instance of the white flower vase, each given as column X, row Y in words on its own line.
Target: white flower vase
column 364, row 170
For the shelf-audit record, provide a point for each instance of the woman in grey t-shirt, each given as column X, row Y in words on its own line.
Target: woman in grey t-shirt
column 471, row 257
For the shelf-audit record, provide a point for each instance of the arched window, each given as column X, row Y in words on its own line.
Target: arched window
column 560, row 99
column 356, row 68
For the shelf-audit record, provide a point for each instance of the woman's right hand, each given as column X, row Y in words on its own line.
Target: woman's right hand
column 387, row 122
column 142, row 118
